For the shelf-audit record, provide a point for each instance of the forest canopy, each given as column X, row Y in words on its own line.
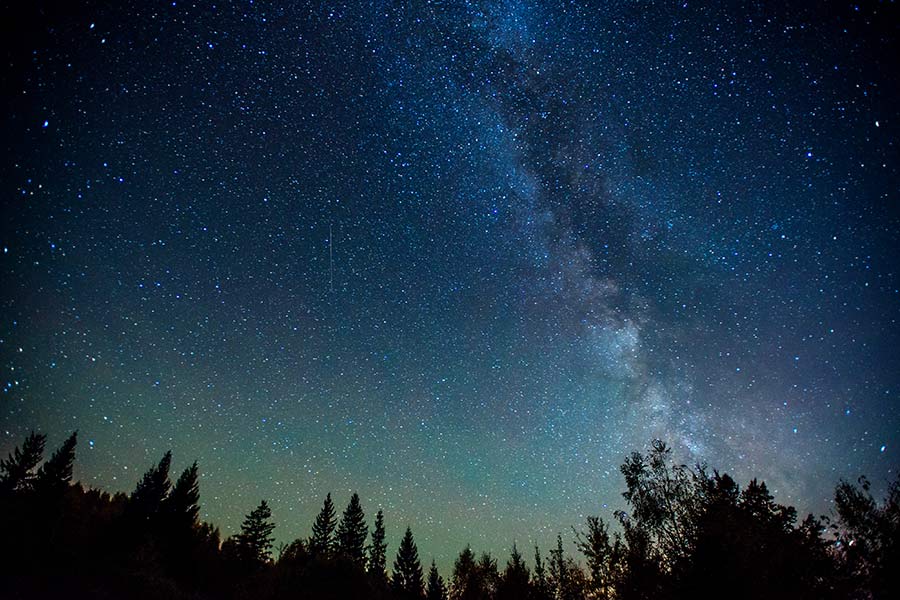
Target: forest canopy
column 687, row 532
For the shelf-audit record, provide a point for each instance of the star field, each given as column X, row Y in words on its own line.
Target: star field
column 460, row 257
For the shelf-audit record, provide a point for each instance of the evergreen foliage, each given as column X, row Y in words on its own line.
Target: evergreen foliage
column 514, row 582
column 182, row 504
column 17, row 471
column 322, row 543
column 254, row 542
column 733, row 543
column 435, row 590
column 464, row 583
column 55, row 475
column 407, row 574
column 147, row 498
column 352, row 532
column 600, row 555
column 378, row 551
column 540, row 583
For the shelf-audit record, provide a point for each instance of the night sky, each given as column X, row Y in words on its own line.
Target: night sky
column 461, row 257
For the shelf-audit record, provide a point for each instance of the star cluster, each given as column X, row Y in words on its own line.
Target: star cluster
column 461, row 257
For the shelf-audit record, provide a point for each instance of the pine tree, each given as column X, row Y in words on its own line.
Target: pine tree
column 488, row 575
column 295, row 555
column 254, row 542
column 407, row 576
column 322, row 542
column 540, row 584
column 147, row 498
column 182, row 505
column 559, row 575
column 514, row 581
column 463, row 582
column 55, row 475
column 598, row 551
column 436, row 590
column 378, row 550
column 352, row 532
column 17, row 471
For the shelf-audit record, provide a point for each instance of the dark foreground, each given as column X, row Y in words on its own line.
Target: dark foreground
column 688, row 533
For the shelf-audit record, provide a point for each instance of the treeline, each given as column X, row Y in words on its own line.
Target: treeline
column 687, row 533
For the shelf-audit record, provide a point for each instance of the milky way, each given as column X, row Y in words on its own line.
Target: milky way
column 461, row 257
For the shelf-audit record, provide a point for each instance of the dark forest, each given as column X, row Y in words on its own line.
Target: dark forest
column 688, row 532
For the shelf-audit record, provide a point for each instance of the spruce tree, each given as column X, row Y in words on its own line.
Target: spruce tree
column 182, row 505
column 566, row 577
column 352, row 532
column 17, row 471
column 407, row 575
column 148, row 496
column 488, row 575
column 322, row 542
column 558, row 572
column 436, row 590
column 539, row 583
column 254, row 542
column 55, row 475
column 378, row 551
column 598, row 552
column 514, row 581
column 464, row 580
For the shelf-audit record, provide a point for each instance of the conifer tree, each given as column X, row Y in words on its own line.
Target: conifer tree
column 514, row 581
column 352, row 532
column 182, row 505
column 322, row 542
column 407, row 575
column 295, row 554
column 378, row 550
column 55, row 475
column 487, row 575
column 540, row 584
column 463, row 582
column 148, row 496
column 17, row 471
column 436, row 590
column 559, row 574
column 598, row 552
column 254, row 542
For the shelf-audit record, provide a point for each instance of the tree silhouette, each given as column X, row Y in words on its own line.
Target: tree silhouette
column 488, row 576
column 760, row 505
column 664, row 501
column 464, row 584
column 559, row 574
column 599, row 554
column 182, row 504
column 322, row 542
column 407, row 574
column 378, row 551
column 514, row 582
column 254, row 542
column 540, row 586
column 17, row 471
column 55, row 475
column 435, row 590
column 474, row 579
column 566, row 579
column 869, row 537
column 147, row 498
column 352, row 532
column 62, row 539
column 295, row 554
